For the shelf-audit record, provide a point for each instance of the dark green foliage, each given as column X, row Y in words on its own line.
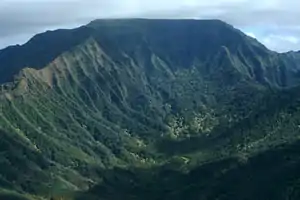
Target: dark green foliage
column 269, row 175
column 149, row 109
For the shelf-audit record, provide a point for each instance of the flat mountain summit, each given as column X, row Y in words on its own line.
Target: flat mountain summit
column 148, row 109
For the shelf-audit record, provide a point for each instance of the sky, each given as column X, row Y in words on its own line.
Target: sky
column 275, row 23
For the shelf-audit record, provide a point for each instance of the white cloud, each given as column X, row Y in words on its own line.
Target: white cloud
column 281, row 43
column 250, row 34
column 274, row 22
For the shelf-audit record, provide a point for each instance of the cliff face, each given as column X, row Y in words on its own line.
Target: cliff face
column 148, row 95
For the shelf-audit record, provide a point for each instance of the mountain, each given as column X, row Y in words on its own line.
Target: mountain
column 155, row 109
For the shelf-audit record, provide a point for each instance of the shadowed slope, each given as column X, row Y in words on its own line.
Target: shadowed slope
column 141, row 94
column 39, row 51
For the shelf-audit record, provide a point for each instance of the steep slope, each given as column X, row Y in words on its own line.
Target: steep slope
column 140, row 94
column 178, row 42
column 263, row 163
column 39, row 51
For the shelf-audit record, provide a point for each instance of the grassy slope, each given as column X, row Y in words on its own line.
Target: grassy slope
column 143, row 104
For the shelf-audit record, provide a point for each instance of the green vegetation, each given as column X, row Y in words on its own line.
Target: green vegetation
column 149, row 109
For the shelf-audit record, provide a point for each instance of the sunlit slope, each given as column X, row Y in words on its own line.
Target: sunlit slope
column 139, row 94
